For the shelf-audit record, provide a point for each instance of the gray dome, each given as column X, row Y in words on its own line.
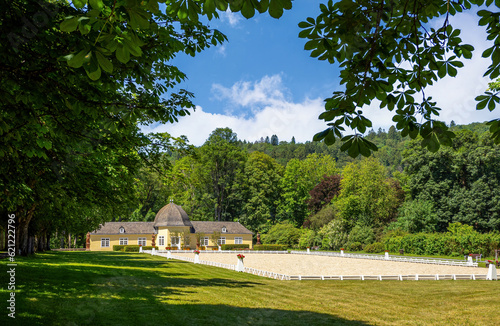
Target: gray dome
column 172, row 215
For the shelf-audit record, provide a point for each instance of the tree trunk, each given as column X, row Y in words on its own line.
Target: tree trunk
column 69, row 240
column 22, row 236
column 62, row 240
column 47, row 244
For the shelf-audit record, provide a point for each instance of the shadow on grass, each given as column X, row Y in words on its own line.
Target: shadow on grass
column 132, row 289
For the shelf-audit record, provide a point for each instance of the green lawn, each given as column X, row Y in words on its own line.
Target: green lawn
column 89, row 288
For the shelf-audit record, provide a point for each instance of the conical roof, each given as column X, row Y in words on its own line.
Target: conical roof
column 172, row 215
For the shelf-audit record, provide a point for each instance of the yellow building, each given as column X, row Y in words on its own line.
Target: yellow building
column 171, row 228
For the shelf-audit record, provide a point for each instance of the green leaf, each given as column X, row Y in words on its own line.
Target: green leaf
column 96, row 4
column 69, row 25
column 275, row 8
column 321, row 135
column 93, row 74
column 79, row 4
column 248, row 11
column 104, row 62
column 77, row 60
column 330, row 138
column 122, row 54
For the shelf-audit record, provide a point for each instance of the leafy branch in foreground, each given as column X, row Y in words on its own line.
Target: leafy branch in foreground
column 388, row 51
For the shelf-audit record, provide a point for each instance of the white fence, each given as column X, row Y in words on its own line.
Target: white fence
column 391, row 258
column 226, row 251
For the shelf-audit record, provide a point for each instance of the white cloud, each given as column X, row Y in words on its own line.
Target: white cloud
column 272, row 114
column 221, row 49
column 231, row 18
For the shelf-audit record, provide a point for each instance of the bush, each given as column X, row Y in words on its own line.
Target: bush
column 375, row 247
column 307, row 239
column 354, row 246
column 270, row 247
column 119, row 248
column 234, row 246
column 282, row 233
column 362, row 234
column 460, row 240
column 333, row 235
column 132, row 248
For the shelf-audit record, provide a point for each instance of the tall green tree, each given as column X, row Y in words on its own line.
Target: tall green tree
column 299, row 178
column 462, row 182
column 76, row 81
column 262, row 182
column 223, row 161
column 367, row 196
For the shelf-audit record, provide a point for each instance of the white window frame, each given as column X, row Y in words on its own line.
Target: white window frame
column 141, row 241
column 122, row 229
column 105, row 241
column 161, row 240
column 123, row 241
column 205, row 241
column 224, row 230
column 221, row 241
column 238, row 240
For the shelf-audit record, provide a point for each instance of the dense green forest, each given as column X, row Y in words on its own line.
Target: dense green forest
column 310, row 194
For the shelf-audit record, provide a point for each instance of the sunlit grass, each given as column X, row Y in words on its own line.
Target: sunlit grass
column 89, row 288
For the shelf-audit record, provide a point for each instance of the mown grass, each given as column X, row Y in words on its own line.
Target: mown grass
column 89, row 288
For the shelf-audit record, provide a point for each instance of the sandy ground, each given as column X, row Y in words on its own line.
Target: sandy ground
column 312, row 265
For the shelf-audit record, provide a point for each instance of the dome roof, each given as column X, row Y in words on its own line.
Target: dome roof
column 172, row 215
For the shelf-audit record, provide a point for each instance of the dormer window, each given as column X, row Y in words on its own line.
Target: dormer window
column 122, row 229
column 224, row 230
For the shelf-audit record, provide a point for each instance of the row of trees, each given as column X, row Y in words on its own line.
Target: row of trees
column 456, row 185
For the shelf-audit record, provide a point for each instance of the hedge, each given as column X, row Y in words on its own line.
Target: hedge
column 445, row 244
column 131, row 248
column 234, row 246
column 273, row 247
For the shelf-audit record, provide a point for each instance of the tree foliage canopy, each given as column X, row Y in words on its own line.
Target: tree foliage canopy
column 388, row 51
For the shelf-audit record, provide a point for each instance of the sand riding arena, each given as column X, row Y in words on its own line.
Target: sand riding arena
column 329, row 266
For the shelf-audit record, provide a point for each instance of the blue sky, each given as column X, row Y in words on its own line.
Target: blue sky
column 262, row 82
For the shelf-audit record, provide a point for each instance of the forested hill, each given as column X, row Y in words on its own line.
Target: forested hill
column 390, row 144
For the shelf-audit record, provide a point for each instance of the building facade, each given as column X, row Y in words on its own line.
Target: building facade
column 170, row 229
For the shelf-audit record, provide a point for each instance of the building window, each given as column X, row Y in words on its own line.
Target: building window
column 222, row 241
column 204, row 241
column 238, row 240
column 161, row 240
column 141, row 241
column 122, row 230
column 224, row 230
column 104, row 242
column 176, row 241
column 123, row 241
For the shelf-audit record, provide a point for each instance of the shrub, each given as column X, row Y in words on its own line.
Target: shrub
column 270, row 247
column 460, row 240
column 333, row 235
column 362, row 234
column 119, row 248
column 282, row 233
column 307, row 239
column 234, row 246
column 354, row 246
column 132, row 248
column 375, row 247
column 416, row 216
